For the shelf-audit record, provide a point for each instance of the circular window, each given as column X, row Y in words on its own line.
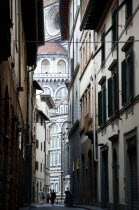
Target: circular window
column 53, row 21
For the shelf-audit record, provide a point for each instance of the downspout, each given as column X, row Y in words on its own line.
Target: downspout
column 93, row 87
column 19, row 37
column 117, row 93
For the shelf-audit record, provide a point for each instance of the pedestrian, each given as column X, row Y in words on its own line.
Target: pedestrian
column 41, row 195
column 53, row 197
column 48, row 197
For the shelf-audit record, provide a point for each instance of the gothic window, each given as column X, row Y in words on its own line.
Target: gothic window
column 61, row 66
column 61, row 93
column 47, row 90
column 54, row 128
column 45, row 66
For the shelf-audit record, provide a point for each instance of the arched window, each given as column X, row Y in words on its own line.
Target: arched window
column 45, row 66
column 53, row 128
column 47, row 90
column 61, row 66
column 61, row 93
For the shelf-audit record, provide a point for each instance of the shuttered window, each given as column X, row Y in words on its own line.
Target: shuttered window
column 110, row 98
column 114, row 20
column 104, row 103
column 128, row 9
column 112, row 94
column 127, row 74
column 36, row 165
column 102, row 115
column 103, row 48
column 100, row 108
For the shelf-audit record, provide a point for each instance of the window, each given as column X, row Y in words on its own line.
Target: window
column 45, row 66
column 36, row 165
column 102, row 105
column 47, row 90
column 62, row 110
column 44, row 146
column 128, row 9
column 41, row 167
column 61, row 66
column 114, row 26
column 61, row 93
column 127, row 71
column 37, row 144
column 112, row 91
column 41, row 120
column 103, row 47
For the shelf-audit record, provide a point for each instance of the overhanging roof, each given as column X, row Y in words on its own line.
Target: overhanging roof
column 94, row 14
column 5, row 35
column 42, row 114
column 49, row 100
column 36, row 85
column 32, row 13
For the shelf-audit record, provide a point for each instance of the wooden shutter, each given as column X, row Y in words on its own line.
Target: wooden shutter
column 110, row 98
column 128, row 9
column 123, row 71
column 115, row 92
column 104, row 104
column 100, row 108
column 36, row 165
column 114, row 25
column 131, row 74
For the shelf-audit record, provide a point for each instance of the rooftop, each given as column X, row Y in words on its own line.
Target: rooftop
column 52, row 47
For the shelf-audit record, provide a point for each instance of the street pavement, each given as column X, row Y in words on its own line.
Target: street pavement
column 59, row 207
column 55, row 207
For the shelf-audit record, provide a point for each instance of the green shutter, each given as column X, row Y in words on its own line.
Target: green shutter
column 100, row 108
column 110, row 98
column 115, row 91
column 114, row 25
column 104, row 104
column 131, row 74
column 128, row 9
column 123, row 71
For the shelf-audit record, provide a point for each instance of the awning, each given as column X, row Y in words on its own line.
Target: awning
column 36, row 85
column 94, row 14
column 42, row 114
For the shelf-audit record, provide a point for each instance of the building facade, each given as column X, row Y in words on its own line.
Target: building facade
column 52, row 74
column 16, row 60
column 108, row 78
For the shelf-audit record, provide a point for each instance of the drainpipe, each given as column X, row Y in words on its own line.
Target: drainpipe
column 19, row 37
column 93, row 87
column 117, row 94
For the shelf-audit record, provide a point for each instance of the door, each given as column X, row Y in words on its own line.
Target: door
column 104, row 179
column 133, row 179
column 132, row 175
column 115, row 180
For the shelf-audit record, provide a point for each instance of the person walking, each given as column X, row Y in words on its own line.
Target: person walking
column 53, row 197
column 48, row 197
column 41, row 195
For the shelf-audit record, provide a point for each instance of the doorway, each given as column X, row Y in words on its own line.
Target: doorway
column 104, row 178
column 132, row 192
column 115, row 180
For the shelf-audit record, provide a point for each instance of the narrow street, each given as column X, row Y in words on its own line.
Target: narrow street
column 55, row 207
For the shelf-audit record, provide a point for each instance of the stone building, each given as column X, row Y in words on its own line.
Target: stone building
column 52, row 74
column 73, row 88
column 108, row 52
column 19, row 23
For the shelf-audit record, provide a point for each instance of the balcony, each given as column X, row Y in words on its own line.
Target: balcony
column 92, row 12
